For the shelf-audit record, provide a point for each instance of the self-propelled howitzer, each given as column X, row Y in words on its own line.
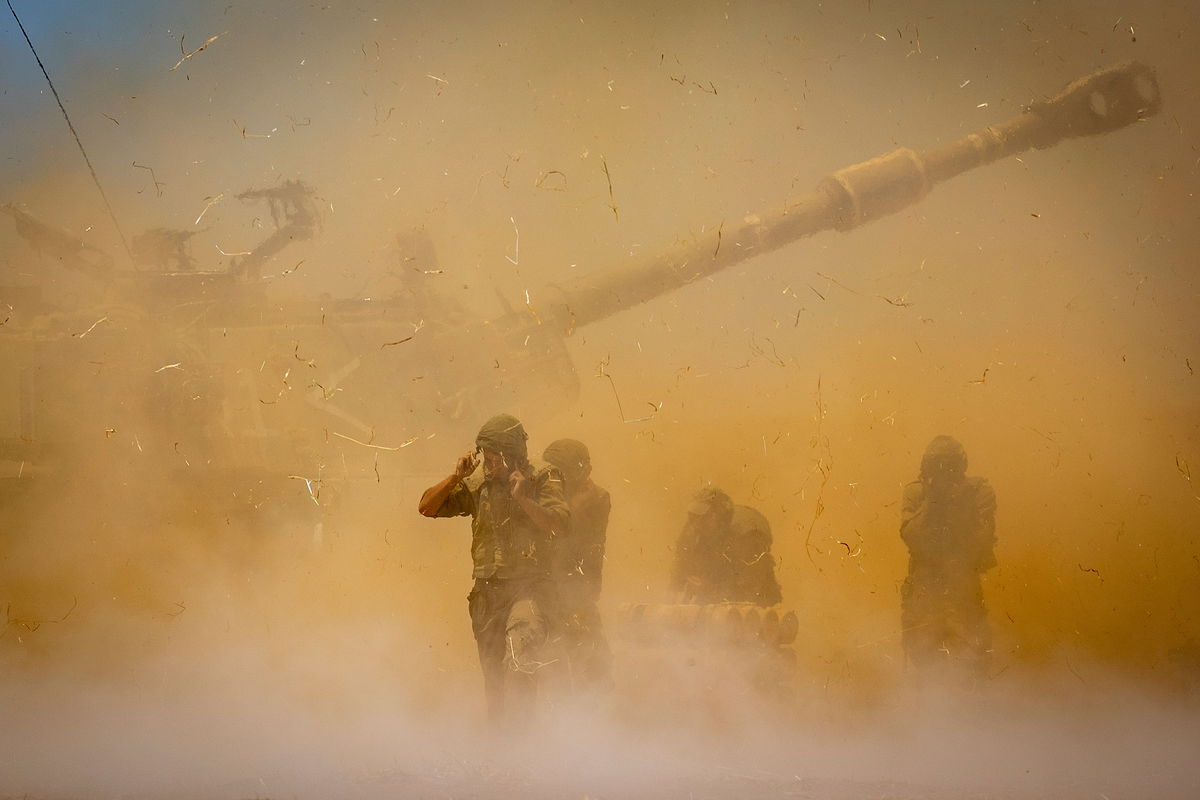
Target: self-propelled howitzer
column 208, row 377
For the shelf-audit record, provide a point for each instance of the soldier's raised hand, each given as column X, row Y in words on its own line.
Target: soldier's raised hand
column 516, row 483
column 466, row 465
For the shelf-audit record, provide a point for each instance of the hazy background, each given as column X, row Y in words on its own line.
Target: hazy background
column 182, row 617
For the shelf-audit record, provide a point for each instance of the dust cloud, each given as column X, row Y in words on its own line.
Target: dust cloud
column 214, row 577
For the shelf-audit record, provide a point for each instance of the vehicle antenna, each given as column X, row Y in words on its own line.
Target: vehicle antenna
column 112, row 215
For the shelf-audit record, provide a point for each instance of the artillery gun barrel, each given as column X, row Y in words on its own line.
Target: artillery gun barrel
column 1098, row 103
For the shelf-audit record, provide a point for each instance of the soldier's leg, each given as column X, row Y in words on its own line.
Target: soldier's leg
column 977, row 633
column 525, row 636
column 918, row 634
column 593, row 648
column 487, row 624
column 570, row 633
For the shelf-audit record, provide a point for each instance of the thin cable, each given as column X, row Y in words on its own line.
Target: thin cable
column 112, row 215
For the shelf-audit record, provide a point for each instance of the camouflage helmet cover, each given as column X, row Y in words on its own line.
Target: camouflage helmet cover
column 568, row 455
column 504, row 434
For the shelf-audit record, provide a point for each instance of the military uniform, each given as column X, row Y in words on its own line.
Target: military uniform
column 512, row 597
column 579, row 566
column 949, row 526
column 723, row 554
column 578, row 571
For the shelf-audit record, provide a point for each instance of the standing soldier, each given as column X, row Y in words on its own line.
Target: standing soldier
column 578, row 564
column 723, row 554
column 948, row 522
column 517, row 511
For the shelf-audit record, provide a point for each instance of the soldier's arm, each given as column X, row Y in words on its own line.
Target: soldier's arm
column 770, row 593
column 760, row 572
column 434, row 498
column 985, row 503
column 600, row 511
column 752, row 548
column 912, row 512
column 541, row 498
column 593, row 557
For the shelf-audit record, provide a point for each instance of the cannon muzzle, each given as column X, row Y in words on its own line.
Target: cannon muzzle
column 1099, row 103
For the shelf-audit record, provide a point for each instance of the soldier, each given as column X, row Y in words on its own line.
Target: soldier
column 723, row 554
column 948, row 522
column 578, row 564
column 516, row 513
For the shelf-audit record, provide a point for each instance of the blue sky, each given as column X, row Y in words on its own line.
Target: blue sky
column 73, row 40
column 93, row 52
